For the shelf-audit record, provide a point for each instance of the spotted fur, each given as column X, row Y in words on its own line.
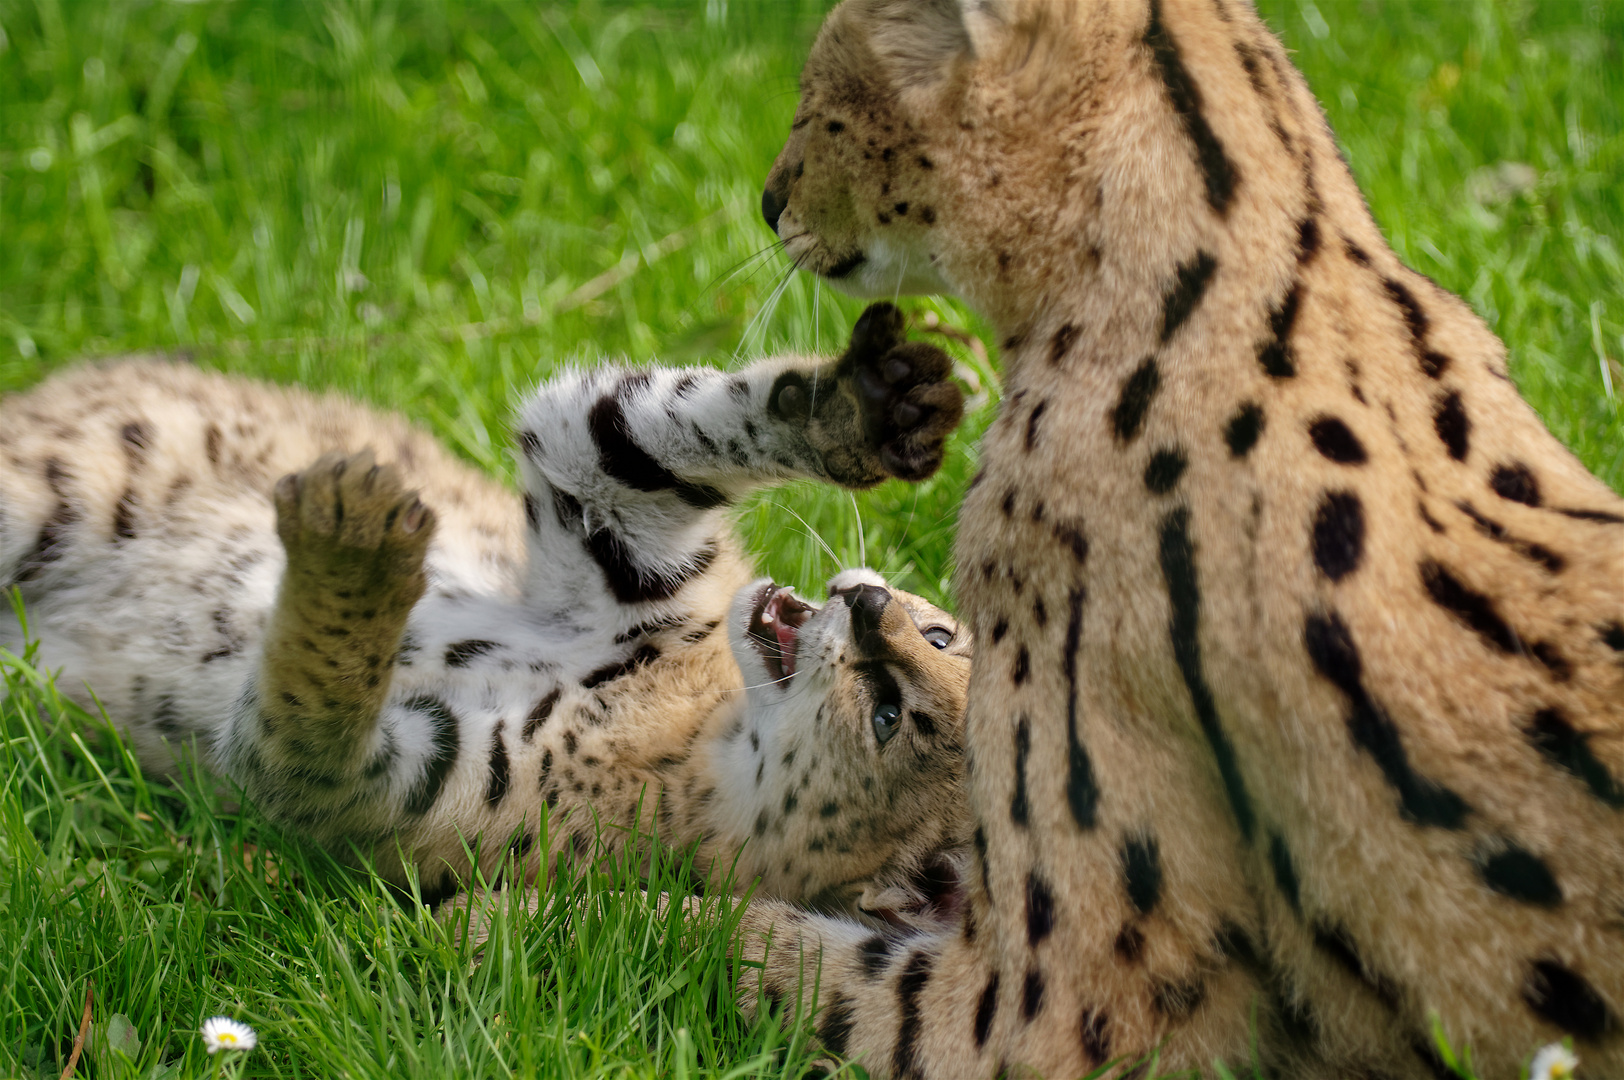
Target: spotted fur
column 1329, row 744
column 392, row 654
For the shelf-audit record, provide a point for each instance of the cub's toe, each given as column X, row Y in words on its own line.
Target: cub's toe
column 350, row 502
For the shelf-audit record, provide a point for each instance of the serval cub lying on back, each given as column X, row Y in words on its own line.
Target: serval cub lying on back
column 412, row 671
column 1298, row 705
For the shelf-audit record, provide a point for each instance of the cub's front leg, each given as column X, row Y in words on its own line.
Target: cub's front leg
column 305, row 739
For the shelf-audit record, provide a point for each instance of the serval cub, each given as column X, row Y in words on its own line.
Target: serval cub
column 1298, row 709
column 392, row 653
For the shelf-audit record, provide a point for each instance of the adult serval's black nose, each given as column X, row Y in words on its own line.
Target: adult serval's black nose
column 867, row 603
column 772, row 206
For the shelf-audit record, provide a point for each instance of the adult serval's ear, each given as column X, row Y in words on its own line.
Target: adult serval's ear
column 917, row 43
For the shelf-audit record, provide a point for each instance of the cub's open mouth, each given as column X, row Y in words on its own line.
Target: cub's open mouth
column 775, row 624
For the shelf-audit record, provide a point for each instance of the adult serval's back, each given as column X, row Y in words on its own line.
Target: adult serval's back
column 1297, row 704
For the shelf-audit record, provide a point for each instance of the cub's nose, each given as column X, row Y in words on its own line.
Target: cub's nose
column 867, row 603
column 772, row 206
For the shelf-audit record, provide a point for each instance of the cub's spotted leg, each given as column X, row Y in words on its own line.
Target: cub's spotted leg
column 626, row 473
column 304, row 735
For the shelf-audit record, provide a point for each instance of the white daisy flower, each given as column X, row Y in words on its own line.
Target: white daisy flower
column 224, row 1033
column 1553, row 1062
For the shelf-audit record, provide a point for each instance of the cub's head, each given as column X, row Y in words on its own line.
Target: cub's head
column 848, row 769
column 933, row 136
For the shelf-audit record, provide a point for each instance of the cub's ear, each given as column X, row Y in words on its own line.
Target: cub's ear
column 918, row 42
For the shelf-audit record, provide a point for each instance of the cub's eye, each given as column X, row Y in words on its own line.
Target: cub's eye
column 939, row 636
column 887, row 719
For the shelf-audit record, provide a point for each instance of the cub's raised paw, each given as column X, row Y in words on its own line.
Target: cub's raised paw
column 908, row 404
column 349, row 512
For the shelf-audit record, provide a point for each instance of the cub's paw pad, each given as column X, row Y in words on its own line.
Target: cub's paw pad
column 350, row 503
column 908, row 403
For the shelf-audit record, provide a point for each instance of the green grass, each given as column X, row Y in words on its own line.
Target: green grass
column 432, row 206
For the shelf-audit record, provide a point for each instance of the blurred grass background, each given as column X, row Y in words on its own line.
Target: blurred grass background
column 431, row 206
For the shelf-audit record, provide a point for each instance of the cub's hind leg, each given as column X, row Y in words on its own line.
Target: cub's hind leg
column 306, row 730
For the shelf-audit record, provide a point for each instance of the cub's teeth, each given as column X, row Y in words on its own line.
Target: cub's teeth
column 767, row 617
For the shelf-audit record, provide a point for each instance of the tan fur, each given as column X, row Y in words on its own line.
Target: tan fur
column 1407, row 655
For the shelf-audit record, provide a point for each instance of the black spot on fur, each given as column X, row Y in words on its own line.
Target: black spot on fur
column 1181, row 298
column 497, row 788
column 460, row 653
column 1333, row 440
column 1009, row 503
column 836, row 1023
column 1142, row 872
column 872, row 955
column 1414, row 317
column 1562, row 996
column 1129, row 944
column 529, row 443
column 1019, row 811
column 1178, row 1001
column 1308, row 239
column 1549, row 655
column 1516, row 482
column 1599, row 516
column 1339, row 534
column 532, row 512
column 1335, row 656
column 1434, row 363
column 1538, row 553
column 1568, row 748
column 1032, row 424
column 1184, row 626
column 1472, row 608
column 905, row 1057
column 1613, row 635
column 1164, row 470
column 1082, row 790
column 1285, row 873
column 1276, row 354
column 1061, row 344
column 978, row 840
column 1185, row 97
column 986, row 1009
column 1243, row 429
column 633, row 584
column 1137, row 392
column 567, row 509
column 1039, row 909
column 1453, row 426
column 1032, row 995
column 1023, row 666
column 51, row 542
column 643, row 656
column 1072, row 536
column 538, row 715
column 1337, row 943
column 443, row 730
column 124, row 516
column 1512, row 870
column 622, row 458
column 1094, row 1031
